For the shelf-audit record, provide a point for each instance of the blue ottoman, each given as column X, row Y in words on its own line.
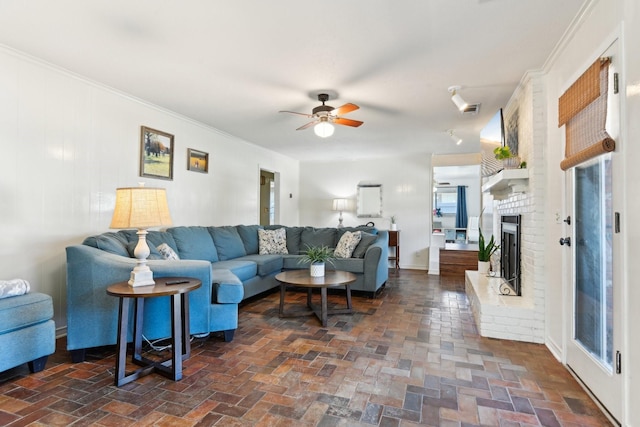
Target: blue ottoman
column 27, row 331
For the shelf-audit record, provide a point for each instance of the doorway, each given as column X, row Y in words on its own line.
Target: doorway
column 267, row 197
column 596, row 268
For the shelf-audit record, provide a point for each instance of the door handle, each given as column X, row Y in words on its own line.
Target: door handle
column 565, row 241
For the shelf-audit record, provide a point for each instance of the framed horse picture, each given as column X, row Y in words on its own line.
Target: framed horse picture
column 156, row 154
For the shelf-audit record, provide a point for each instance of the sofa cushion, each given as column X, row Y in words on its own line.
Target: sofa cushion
column 352, row 265
column 366, row 240
column 244, row 270
column 267, row 264
column 109, row 242
column 317, row 237
column 156, row 238
column 272, row 241
column 228, row 242
column 294, row 234
column 292, row 262
column 249, row 236
column 347, row 244
column 194, row 243
column 24, row 310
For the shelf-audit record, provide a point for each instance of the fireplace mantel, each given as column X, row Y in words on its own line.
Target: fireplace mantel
column 506, row 182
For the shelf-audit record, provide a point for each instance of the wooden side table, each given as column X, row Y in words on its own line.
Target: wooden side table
column 394, row 242
column 176, row 287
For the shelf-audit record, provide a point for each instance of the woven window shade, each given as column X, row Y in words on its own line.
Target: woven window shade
column 583, row 111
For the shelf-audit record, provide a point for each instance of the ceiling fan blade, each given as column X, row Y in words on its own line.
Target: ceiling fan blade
column 347, row 122
column 346, row 108
column 294, row 112
column 308, row 125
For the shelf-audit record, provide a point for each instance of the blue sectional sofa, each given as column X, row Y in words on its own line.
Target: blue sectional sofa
column 225, row 259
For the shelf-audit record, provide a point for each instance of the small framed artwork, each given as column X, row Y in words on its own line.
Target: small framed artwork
column 198, row 161
column 156, row 154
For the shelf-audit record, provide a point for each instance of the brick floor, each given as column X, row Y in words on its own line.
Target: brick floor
column 412, row 356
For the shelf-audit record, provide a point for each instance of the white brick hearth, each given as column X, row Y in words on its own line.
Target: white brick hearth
column 500, row 316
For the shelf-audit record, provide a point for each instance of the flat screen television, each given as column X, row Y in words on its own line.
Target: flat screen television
column 492, row 136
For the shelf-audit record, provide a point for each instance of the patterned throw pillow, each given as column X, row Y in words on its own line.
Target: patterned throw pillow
column 347, row 244
column 272, row 241
column 166, row 252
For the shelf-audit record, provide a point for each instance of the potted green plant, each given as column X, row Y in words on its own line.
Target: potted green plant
column 317, row 256
column 394, row 225
column 485, row 250
column 504, row 154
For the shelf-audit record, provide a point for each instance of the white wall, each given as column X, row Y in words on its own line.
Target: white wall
column 406, row 193
column 67, row 144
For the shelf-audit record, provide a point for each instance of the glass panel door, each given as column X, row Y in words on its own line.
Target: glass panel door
column 593, row 300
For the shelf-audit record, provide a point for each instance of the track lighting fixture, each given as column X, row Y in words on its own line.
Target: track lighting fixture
column 454, row 137
column 457, row 99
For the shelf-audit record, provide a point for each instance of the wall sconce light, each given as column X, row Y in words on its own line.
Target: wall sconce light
column 141, row 208
column 324, row 129
column 340, row 205
column 457, row 99
column 455, row 138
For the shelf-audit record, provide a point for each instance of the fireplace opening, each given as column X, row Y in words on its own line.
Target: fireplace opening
column 510, row 252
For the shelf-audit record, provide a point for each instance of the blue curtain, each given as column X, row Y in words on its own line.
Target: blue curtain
column 461, row 209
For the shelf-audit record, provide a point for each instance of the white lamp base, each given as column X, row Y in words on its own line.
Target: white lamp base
column 141, row 275
column 141, row 278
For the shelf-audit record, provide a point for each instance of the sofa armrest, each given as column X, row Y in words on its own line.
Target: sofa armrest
column 376, row 266
column 92, row 315
column 228, row 289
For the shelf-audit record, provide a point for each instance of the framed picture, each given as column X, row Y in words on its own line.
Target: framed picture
column 156, row 154
column 198, row 161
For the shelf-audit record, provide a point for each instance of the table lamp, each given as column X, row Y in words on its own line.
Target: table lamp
column 340, row 205
column 141, row 208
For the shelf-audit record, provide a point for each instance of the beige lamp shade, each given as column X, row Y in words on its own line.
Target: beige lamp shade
column 340, row 204
column 140, row 207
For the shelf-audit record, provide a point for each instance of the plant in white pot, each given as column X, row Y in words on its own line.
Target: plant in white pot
column 504, row 154
column 317, row 256
column 485, row 250
column 394, row 225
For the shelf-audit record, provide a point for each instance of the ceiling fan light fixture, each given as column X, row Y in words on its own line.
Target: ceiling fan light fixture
column 323, row 129
column 457, row 99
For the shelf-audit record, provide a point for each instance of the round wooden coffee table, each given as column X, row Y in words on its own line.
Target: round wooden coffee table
column 302, row 279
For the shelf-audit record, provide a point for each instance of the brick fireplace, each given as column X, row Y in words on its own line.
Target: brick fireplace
column 521, row 317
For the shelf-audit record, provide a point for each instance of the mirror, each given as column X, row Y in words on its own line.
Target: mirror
column 369, row 201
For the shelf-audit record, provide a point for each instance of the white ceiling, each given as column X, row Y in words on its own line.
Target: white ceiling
column 234, row 64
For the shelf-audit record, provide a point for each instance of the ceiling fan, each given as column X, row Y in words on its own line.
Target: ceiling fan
column 324, row 115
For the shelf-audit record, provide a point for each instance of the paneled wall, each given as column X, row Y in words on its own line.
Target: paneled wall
column 68, row 143
column 406, row 193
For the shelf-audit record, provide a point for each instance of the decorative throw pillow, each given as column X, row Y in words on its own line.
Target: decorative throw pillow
column 347, row 244
column 365, row 241
column 167, row 252
column 272, row 241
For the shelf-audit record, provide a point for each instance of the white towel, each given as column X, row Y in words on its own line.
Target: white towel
column 13, row 287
